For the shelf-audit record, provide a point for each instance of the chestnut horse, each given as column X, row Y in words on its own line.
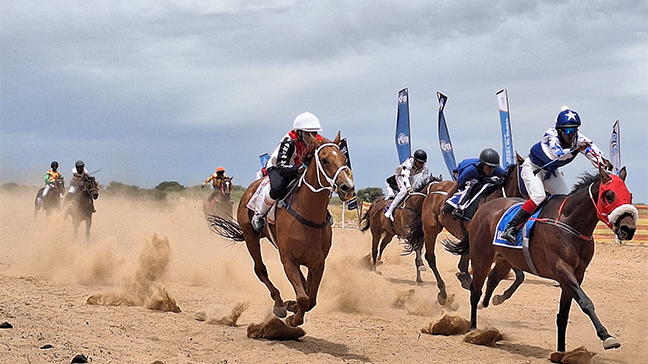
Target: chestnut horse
column 432, row 220
column 220, row 199
column 79, row 204
column 561, row 245
column 302, row 233
column 382, row 227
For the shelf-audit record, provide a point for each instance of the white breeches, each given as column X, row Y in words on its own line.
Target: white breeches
column 537, row 184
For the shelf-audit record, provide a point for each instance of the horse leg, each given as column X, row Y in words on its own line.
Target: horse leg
column 88, row 224
column 312, row 286
column 383, row 243
column 563, row 318
column 420, row 266
column 519, row 278
column 296, row 278
column 569, row 282
column 463, row 276
column 499, row 272
column 430, row 242
column 375, row 240
column 254, row 248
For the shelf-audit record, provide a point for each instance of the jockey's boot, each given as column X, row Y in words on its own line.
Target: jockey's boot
column 258, row 220
column 514, row 225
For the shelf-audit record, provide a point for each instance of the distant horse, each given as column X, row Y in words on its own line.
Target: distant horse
column 220, row 200
column 561, row 244
column 432, row 220
column 381, row 226
column 79, row 205
column 52, row 201
column 302, row 232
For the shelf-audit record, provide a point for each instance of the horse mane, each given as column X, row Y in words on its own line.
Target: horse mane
column 584, row 180
column 309, row 152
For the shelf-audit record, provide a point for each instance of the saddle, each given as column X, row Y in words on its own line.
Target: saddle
column 471, row 195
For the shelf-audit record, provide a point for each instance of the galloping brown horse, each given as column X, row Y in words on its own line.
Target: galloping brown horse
column 561, row 244
column 302, row 233
column 220, row 199
column 52, row 201
column 382, row 227
column 79, row 204
column 432, row 220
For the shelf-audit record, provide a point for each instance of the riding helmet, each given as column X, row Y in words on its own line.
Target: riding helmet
column 307, row 122
column 54, row 164
column 489, row 157
column 79, row 163
column 567, row 118
column 220, row 169
column 420, row 155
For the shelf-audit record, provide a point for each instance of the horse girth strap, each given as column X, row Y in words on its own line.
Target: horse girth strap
column 308, row 223
column 568, row 228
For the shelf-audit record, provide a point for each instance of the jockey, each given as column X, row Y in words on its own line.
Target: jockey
column 285, row 163
column 216, row 178
column 413, row 174
column 540, row 173
column 78, row 174
column 50, row 178
column 473, row 171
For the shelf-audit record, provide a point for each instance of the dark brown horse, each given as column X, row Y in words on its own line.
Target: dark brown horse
column 302, row 233
column 80, row 206
column 52, row 201
column 561, row 245
column 432, row 220
column 220, row 200
column 382, row 227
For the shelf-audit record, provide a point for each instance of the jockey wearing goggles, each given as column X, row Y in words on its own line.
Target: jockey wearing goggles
column 558, row 147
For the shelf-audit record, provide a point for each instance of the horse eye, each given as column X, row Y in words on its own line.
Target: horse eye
column 609, row 196
column 325, row 162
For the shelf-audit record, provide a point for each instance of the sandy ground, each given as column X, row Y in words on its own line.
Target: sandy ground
column 46, row 276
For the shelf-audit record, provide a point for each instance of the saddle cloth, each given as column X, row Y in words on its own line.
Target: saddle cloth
column 257, row 199
column 523, row 234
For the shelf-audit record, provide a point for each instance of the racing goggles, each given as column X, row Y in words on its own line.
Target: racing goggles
column 570, row 131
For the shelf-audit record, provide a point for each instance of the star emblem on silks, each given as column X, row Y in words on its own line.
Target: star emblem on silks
column 570, row 115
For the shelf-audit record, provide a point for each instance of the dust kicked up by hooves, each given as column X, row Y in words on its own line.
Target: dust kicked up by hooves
column 275, row 329
column 229, row 319
column 145, row 289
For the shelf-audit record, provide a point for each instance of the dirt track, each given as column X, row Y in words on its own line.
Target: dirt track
column 46, row 278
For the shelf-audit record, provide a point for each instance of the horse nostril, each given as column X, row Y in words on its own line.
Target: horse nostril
column 344, row 188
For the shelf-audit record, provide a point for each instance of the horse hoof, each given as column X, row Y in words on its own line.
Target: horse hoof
column 498, row 300
column 420, row 283
column 279, row 311
column 421, row 268
column 441, row 299
column 611, row 343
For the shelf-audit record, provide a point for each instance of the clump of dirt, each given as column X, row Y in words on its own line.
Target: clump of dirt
column 275, row 329
column 580, row 355
column 448, row 325
column 486, row 337
column 230, row 319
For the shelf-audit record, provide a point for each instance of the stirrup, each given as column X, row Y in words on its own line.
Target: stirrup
column 510, row 234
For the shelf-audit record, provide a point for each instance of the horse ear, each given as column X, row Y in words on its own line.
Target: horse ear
column 337, row 138
column 623, row 173
column 519, row 158
column 605, row 177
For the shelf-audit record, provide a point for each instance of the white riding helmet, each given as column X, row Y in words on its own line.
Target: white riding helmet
column 307, row 122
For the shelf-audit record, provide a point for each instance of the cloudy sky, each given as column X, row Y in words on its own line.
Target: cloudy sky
column 152, row 91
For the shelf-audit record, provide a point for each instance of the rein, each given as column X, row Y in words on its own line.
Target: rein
column 566, row 227
column 318, row 163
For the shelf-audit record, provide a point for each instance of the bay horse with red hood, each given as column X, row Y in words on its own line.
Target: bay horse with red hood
column 302, row 232
column 560, row 244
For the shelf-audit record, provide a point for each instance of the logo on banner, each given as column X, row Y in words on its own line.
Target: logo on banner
column 402, row 99
column 402, row 139
column 614, row 144
column 445, row 146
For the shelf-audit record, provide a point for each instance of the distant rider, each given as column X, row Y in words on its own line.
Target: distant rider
column 560, row 144
column 411, row 175
column 79, row 174
column 216, row 178
column 286, row 164
column 50, row 179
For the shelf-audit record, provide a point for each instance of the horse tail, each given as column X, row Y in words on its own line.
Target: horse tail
column 416, row 237
column 459, row 248
column 365, row 222
column 228, row 229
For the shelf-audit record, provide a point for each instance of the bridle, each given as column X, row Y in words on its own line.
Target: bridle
column 320, row 169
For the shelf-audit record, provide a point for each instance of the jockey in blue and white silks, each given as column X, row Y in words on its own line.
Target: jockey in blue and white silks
column 412, row 175
column 558, row 147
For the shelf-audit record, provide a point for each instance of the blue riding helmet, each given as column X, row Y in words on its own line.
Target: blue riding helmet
column 567, row 118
